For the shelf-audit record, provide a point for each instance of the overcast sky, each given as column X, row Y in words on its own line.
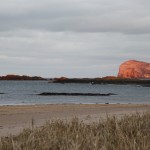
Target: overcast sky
column 72, row 38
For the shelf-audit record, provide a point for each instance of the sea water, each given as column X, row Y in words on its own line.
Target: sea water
column 26, row 93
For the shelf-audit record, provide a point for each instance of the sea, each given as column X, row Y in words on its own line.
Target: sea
column 26, row 93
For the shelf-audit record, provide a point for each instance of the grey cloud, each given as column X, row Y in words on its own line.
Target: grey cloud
column 34, row 42
column 79, row 16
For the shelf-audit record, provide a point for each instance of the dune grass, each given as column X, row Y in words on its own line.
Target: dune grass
column 131, row 132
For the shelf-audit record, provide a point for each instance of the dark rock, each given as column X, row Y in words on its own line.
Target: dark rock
column 74, row 94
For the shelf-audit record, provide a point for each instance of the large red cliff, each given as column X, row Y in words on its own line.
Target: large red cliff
column 134, row 69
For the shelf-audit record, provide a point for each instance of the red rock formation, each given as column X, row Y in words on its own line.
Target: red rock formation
column 134, row 69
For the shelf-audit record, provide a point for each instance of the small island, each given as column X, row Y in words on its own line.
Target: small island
column 18, row 77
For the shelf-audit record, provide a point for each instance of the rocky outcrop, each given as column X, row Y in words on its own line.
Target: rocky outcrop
column 134, row 69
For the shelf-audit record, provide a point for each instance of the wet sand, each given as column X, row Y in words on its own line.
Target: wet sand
column 13, row 119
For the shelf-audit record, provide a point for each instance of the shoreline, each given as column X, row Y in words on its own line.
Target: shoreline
column 41, row 104
column 14, row 118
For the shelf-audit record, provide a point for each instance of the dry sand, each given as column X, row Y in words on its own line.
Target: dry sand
column 14, row 118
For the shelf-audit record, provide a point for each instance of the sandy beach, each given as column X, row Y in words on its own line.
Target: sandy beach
column 13, row 119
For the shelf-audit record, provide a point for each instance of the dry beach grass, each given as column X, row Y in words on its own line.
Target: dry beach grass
column 130, row 132
column 91, row 128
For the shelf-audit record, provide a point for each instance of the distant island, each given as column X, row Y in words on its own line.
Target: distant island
column 130, row 72
column 104, row 80
column 18, row 77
